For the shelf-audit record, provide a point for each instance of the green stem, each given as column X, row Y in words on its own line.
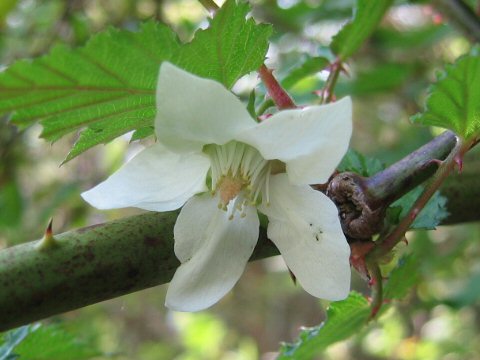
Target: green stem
column 90, row 265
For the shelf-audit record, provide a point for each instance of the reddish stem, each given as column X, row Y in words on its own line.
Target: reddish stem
column 327, row 92
column 275, row 90
column 377, row 291
column 454, row 158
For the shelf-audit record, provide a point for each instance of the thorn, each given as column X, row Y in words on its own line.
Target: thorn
column 48, row 230
column 48, row 241
column 459, row 162
column 414, row 213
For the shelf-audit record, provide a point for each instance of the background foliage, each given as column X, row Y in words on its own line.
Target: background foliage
column 388, row 78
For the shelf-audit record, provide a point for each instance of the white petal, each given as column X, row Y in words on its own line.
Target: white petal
column 192, row 111
column 156, row 179
column 213, row 250
column 311, row 141
column 305, row 227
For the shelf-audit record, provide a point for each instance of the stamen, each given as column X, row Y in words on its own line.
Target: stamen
column 221, row 158
column 231, row 146
column 240, row 174
column 238, row 157
column 267, row 183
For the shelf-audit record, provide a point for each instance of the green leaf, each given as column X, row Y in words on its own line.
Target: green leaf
column 402, row 278
column 430, row 216
column 52, row 342
column 309, row 67
column 454, row 100
column 231, row 47
column 11, row 339
column 367, row 16
column 344, row 319
column 44, row 343
column 107, row 88
column 355, row 162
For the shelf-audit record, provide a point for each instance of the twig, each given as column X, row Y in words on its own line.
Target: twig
column 362, row 200
column 327, row 94
column 446, row 167
column 376, row 282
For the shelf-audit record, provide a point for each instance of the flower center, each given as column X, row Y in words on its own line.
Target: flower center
column 239, row 173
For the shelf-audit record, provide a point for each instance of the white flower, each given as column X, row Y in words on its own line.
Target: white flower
column 224, row 166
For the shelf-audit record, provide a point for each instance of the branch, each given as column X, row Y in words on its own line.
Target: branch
column 362, row 201
column 398, row 179
column 455, row 158
column 107, row 260
column 90, row 265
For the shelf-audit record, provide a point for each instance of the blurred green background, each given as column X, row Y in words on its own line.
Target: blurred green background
column 388, row 79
